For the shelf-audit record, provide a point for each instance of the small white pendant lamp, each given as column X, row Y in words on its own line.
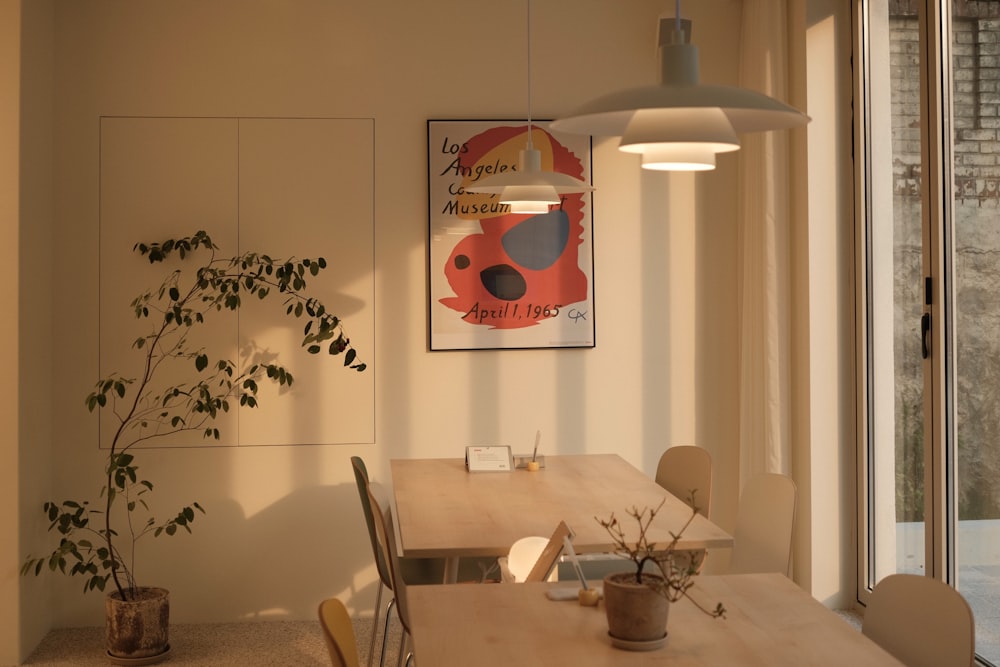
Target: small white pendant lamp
column 529, row 189
column 680, row 124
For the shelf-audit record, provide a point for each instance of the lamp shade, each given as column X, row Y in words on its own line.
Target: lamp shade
column 660, row 121
column 746, row 110
column 529, row 189
column 686, row 138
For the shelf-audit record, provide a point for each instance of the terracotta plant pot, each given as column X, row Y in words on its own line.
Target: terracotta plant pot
column 636, row 613
column 137, row 628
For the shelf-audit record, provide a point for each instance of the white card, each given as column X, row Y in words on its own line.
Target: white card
column 488, row 458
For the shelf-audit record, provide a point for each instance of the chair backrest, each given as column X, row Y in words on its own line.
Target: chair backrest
column 338, row 631
column 522, row 556
column 683, row 468
column 921, row 621
column 386, row 532
column 534, row 558
column 547, row 558
column 762, row 541
column 362, row 480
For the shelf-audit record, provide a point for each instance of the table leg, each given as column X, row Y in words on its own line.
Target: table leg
column 451, row 570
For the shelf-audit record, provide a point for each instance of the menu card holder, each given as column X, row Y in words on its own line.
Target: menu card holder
column 488, row 458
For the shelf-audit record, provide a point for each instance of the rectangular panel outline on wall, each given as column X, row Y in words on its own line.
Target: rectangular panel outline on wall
column 360, row 287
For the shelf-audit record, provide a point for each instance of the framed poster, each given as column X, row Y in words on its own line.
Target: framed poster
column 500, row 280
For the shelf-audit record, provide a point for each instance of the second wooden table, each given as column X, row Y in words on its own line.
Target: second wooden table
column 444, row 511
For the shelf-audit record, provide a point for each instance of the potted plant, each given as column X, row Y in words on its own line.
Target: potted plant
column 97, row 541
column 637, row 602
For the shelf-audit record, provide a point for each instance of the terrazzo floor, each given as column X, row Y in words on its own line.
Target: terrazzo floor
column 264, row 643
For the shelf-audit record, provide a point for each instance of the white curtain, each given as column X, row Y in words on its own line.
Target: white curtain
column 764, row 290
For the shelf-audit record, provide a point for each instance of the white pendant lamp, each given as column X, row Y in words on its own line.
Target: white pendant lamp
column 529, row 189
column 680, row 124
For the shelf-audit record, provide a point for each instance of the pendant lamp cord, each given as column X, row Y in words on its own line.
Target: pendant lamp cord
column 677, row 15
column 529, row 76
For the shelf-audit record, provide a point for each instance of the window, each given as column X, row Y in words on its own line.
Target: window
column 930, row 177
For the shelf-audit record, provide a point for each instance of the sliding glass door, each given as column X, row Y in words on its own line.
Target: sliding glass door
column 975, row 266
column 929, row 143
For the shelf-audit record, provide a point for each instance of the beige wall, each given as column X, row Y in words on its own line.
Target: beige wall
column 34, row 307
column 283, row 527
column 823, row 302
column 10, row 61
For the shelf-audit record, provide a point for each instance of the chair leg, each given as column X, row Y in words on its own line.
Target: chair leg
column 402, row 650
column 385, row 632
column 378, row 606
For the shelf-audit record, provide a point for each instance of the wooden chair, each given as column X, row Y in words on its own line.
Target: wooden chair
column 686, row 468
column 338, row 633
column 416, row 571
column 546, row 561
column 361, row 478
column 411, row 570
column 686, row 472
column 921, row 621
column 762, row 541
column 521, row 557
column 533, row 558
column 386, row 532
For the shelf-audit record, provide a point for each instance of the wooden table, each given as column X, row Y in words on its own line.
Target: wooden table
column 444, row 511
column 770, row 622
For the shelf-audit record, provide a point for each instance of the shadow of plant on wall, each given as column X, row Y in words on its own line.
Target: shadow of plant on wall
column 98, row 542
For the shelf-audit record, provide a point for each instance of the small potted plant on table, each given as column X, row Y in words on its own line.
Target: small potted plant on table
column 637, row 602
column 98, row 541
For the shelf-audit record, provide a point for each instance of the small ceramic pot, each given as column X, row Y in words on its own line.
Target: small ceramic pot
column 636, row 612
